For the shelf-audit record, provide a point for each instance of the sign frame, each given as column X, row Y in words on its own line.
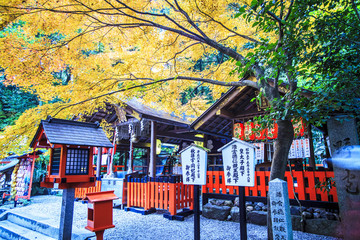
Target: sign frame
column 241, row 159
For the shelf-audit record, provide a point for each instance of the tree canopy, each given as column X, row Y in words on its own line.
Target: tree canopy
column 156, row 51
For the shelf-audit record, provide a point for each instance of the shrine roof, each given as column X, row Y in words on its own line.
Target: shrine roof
column 67, row 132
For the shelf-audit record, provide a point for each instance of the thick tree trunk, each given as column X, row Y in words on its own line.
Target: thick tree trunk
column 282, row 147
column 279, row 161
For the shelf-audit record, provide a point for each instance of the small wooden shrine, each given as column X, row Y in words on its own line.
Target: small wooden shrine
column 71, row 146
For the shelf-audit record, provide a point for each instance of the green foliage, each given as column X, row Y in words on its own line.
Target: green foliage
column 205, row 62
column 201, row 91
column 62, row 76
column 317, row 47
column 325, row 185
column 13, row 102
column 40, row 167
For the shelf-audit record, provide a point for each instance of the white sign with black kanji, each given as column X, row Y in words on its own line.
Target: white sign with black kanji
column 239, row 163
column 194, row 164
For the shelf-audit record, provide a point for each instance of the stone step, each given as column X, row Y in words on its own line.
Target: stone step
column 34, row 224
column 41, row 225
column 12, row 231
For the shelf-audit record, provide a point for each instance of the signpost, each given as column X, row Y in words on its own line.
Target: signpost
column 194, row 162
column 239, row 169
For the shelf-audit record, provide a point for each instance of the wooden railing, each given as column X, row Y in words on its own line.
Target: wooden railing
column 80, row 192
column 304, row 184
column 168, row 193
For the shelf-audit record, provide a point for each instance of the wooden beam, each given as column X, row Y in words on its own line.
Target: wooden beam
column 137, row 145
column 188, row 137
column 221, row 105
column 225, row 114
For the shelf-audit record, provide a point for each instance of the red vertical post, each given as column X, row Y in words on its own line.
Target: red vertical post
column 152, row 192
column 172, row 197
column 161, row 200
column 31, row 176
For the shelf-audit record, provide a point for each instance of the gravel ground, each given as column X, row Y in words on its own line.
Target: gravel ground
column 129, row 225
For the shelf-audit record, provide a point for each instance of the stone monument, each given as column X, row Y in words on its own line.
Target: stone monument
column 345, row 150
column 280, row 210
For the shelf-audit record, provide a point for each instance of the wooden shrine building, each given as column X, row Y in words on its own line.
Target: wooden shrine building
column 138, row 126
column 232, row 115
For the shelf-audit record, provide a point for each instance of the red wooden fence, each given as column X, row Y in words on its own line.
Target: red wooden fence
column 80, row 192
column 304, row 184
column 168, row 193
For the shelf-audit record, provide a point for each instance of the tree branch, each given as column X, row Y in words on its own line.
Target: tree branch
column 221, row 24
column 355, row 9
column 289, row 11
column 221, row 83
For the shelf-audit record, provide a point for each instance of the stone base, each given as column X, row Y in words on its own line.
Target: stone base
column 319, row 226
column 257, row 217
column 216, row 212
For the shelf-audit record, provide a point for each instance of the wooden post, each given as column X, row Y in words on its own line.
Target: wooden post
column 31, row 176
column 242, row 210
column 152, row 165
column 67, row 211
column 98, row 164
column 312, row 157
column 196, row 213
column 100, row 235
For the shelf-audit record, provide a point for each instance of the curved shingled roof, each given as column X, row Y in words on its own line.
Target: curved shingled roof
column 67, row 132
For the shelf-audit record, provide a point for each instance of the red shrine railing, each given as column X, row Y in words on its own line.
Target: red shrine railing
column 168, row 193
column 304, row 183
column 81, row 192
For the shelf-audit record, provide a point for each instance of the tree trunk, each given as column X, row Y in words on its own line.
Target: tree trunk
column 282, row 147
column 279, row 161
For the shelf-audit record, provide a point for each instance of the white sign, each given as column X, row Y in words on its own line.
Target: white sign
column 194, row 164
column 300, row 148
column 239, row 163
column 259, row 151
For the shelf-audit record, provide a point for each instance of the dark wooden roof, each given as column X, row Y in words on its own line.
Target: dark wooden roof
column 134, row 108
column 67, row 132
column 170, row 129
column 235, row 105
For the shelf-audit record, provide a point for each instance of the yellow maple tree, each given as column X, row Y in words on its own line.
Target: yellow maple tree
column 115, row 50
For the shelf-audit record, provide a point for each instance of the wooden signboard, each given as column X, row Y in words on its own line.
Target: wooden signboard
column 239, row 163
column 194, row 163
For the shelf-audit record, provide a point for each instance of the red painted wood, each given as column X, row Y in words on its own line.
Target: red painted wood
column 304, row 192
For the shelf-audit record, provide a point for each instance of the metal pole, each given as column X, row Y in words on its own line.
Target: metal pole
column 242, row 209
column 196, row 213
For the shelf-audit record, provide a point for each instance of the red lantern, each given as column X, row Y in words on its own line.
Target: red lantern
column 260, row 134
column 299, row 127
column 239, row 131
column 272, row 132
column 248, row 131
